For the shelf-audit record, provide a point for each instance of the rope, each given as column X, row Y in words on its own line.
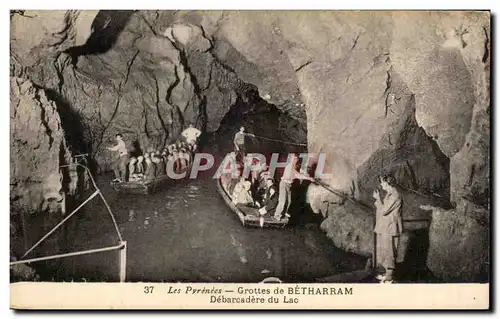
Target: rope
column 96, row 192
column 78, row 253
column 276, row 140
column 342, row 195
column 102, row 197
column 433, row 195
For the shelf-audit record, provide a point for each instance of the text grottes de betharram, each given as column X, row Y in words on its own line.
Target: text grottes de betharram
column 243, row 295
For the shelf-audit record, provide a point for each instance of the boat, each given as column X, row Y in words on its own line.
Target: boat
column 140, row 187
column 249, row 216
column 146, row 187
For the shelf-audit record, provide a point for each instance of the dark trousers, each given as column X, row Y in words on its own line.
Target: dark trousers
column 240, row 154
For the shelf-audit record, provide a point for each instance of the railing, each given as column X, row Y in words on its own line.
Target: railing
column 121, row 247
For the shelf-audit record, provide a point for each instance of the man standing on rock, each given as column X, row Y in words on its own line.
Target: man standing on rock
column 388, row 226
column 120, row 165
column 239, row 143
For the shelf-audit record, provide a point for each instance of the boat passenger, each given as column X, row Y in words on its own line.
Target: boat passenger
column 164, row 156
column 187, row 155
column 226, row 178
column 270, row 200
column 193, row 147
column 285, row 188
column 171, row 148
column 181, row 160
column 175, row 159
column 241, row 192
column 131, row 166
column 235, row 178
column 160, row 166
column 262, row 182
column 140, row 165
column 150, row 173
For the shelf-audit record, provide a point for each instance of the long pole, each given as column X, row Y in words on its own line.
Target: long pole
column 123, row 261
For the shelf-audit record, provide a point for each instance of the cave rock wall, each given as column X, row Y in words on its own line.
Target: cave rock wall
column 38, row 148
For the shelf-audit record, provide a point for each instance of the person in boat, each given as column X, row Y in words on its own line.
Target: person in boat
column 388, row 225
column 150, row 172
column 186, row 156
column 120, row 164
column 192, row 148
column 261, row 184
column 182, row 159
column 175, row 159
column 285, row 187
column 132, row 175
column 235, row 178
column 255, row 177
column 269, row 202
column 226, row 178
column 191, row 134
column 131, row 166
column 164, row 157
column 170, row 162
column 239, row 143
column 241, row 193
column 160, row 165
column 171, row 148
column 154, row 155
column 140, row 165
column 180, row 145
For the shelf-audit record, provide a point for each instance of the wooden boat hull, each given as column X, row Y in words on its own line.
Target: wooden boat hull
column 140, row 187
column 249, row 216
column 149, row 187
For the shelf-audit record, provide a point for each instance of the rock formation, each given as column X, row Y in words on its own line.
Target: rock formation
column 404, row 92
column 38, row 148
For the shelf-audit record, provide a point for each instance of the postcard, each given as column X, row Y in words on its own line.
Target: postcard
column 170, row 159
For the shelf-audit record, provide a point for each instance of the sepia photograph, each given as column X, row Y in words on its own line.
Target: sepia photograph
column 318, row 148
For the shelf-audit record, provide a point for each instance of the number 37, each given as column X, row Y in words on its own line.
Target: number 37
column 148, row 289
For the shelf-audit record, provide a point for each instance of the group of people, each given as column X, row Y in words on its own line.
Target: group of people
column 259, row 189
column 154, row 163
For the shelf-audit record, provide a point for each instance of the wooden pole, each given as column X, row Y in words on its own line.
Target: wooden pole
column 123, row 262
